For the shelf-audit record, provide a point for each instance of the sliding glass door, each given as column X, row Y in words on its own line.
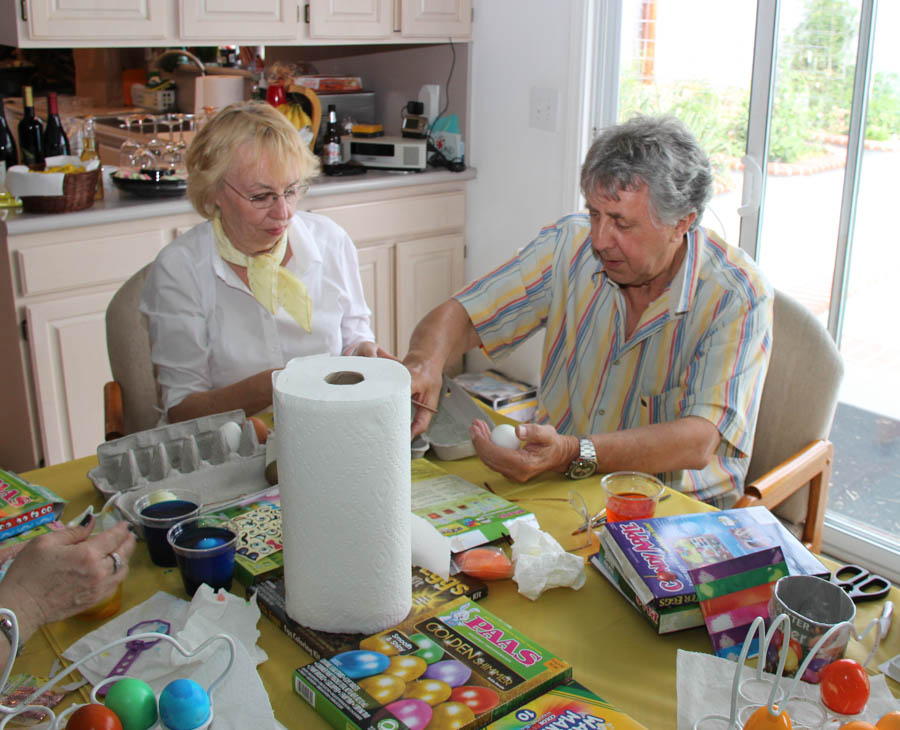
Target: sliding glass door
column 777, row 92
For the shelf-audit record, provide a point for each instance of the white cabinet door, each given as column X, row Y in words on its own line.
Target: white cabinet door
column 429, row 271
column 351, row 18
column 376, row 273
column 436, row 18
column 100, row 20
column 237, row 20
column 68, row 348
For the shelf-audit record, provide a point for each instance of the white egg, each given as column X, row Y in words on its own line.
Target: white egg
column 505, row 435
column 232, row 433
column 161, row 495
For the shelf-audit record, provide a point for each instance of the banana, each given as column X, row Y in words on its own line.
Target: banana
column 295, row 115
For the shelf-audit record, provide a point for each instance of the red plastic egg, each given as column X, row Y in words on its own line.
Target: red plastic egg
column 93, row 717
column 844, row 686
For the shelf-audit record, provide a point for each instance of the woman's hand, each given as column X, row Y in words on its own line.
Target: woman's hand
column 63, row 573
column 544, row 450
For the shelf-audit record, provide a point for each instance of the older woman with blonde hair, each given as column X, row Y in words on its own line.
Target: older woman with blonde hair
column 259, row 282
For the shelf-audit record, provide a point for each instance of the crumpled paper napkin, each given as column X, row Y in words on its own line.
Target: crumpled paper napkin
column 239, row 700
column 21, row 182
column 541, row 563
column 704, row 688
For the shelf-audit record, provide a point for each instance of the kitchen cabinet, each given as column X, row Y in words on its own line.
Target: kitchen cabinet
column 55, row 286
column 380, row 19
column 239, row 20
column 411, row 251
column 48, row 23
column 160, row 23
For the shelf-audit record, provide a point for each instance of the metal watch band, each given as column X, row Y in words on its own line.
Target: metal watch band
column 585, row 464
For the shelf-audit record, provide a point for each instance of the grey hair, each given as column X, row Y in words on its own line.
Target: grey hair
column 659, row 152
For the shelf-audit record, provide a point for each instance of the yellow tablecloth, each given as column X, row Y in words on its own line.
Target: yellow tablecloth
column 613, row 650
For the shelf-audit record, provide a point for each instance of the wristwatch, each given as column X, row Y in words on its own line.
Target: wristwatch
column 585, row 463
column 6, row 628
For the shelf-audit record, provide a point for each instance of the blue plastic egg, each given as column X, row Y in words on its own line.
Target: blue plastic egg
column 184, row 705
column 360, row 663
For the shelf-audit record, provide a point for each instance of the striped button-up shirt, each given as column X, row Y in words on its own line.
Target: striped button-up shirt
column 700, row 349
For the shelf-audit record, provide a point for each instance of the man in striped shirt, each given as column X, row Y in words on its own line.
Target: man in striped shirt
column 657, row 333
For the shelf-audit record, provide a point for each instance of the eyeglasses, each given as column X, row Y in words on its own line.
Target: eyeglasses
column 267, row 200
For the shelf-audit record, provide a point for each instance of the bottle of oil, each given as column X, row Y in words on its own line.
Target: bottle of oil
column 89, row 152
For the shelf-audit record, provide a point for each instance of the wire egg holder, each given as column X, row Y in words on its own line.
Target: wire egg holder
column 59, row 722
column 753, row 688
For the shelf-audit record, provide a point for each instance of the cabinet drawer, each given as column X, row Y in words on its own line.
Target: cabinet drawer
column 59, row 266
column 395, row 219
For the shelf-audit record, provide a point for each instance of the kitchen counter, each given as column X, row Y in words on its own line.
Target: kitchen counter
column 119, row 207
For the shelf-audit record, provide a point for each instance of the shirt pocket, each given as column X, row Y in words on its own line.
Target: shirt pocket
column 661, row 408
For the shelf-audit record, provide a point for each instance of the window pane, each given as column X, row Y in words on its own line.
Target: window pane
column 676, row 60
column 867, row 425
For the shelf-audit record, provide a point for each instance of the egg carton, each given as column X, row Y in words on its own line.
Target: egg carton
column 448, row 432
column 198, row 455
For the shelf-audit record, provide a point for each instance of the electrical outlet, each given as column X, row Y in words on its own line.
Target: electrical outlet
column 543, row 110
column 430, row 96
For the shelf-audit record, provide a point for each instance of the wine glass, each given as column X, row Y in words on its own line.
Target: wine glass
column 129, row 148
column 156, row 146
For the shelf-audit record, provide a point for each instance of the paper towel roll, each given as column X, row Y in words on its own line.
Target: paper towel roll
column 342, row 426
column 217, row 91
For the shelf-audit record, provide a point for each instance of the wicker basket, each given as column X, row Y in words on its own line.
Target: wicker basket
column 78, row 194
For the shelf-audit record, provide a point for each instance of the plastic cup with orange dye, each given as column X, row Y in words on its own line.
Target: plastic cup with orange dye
column 630, row 495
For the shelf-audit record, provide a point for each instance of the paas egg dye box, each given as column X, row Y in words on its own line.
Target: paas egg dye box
column 459, row 666
column 570, row 706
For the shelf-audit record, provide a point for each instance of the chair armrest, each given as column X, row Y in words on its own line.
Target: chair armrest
column 811, row 465
column 112, row 411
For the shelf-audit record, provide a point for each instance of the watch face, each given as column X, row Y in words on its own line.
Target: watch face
column 581, row 468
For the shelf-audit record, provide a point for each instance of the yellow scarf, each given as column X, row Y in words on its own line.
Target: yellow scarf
column 270, row 282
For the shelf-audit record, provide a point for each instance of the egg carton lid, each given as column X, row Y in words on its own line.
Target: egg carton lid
column 193, row 455
column 448, row 432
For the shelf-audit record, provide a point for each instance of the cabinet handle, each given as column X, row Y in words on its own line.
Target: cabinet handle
column 23, row 4
column 24, row 327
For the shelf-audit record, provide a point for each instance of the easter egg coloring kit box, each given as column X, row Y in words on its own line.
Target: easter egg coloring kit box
column 570, row 706
column 25, row 506
column 458, row 666
column 429, row 591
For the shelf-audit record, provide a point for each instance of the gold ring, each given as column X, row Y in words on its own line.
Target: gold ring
column 117, row 562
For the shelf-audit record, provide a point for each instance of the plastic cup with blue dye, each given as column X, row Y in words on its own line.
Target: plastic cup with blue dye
column 204, row 547
column 157, row 512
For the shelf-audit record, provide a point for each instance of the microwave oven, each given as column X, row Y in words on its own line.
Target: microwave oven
column 389, row 153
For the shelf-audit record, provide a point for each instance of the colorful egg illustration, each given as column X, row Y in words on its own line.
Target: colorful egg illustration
column 415, row 714
column 407, row 667
column 479, row 699
column 359, row 663
column 451, row 716
column 432, row 691
column 451, row 671
column 428, row 650
column 378, row 643
column 383, row 688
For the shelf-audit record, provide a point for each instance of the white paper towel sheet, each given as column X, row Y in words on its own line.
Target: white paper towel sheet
column 343, row 467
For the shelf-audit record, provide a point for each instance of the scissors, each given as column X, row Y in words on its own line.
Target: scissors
column 860, row 584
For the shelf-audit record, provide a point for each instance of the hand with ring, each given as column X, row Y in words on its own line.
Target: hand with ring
column 65, row 572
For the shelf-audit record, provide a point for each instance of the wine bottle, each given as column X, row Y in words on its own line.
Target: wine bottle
column 331, row 143
column 8, row 152
column 31, row 134
column 55, row 140
column 90, row 152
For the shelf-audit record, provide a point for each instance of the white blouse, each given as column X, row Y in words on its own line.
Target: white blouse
column 207, row 330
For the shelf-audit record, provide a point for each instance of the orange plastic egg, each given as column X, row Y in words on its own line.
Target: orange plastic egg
column 762, row 719
column 857, row 725
column 891, row 721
